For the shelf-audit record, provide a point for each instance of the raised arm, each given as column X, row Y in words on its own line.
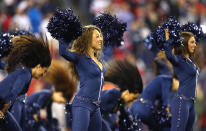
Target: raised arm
column 68, row 55
column 168, row 51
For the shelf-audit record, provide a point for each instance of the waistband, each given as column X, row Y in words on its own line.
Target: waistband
column 87, row 100
column 182, row 97
column 21, row 98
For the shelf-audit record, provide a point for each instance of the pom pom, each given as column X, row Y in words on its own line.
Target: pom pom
column 6, row 43
column 174, row 31
column 160, row 117
column 151, row 44
column 20, row 32
column 111, row 28
column 193, row 28
column 64, row 25
column 127, row 122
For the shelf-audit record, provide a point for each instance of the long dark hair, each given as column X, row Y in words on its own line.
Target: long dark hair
column 28, row 51
column 125, row 75
column 183, row 49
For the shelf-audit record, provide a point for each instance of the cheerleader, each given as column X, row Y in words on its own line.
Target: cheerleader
column 128, row 82
column 89, row 69
column 30, row 57
column 182, row 107
column 158, row 89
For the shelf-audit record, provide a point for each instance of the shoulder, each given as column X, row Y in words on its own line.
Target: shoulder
column 25, row 73
column 164, row 77
column 35, row 95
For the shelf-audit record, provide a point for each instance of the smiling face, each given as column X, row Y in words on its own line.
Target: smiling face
column 97, row 40
column 191, row 45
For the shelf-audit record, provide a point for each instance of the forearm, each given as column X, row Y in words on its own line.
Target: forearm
column 68, row 55
column 168, row 51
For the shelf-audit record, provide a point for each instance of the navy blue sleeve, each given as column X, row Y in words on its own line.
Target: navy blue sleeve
column 109, row 99
column 166, row 85
column 68, row 55
column 40, row 98
column 168, row 51
column 18, row 86
column 44, row 97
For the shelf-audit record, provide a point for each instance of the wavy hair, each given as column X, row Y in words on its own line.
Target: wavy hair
column 125, row 75
column 28, row 51
column 183, row 49
column 82, row 44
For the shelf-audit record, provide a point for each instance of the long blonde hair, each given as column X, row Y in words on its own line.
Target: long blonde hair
column 82, row 44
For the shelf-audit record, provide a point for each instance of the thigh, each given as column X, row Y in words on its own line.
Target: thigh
column 95, row 121
column 180, row 114
column 80, row 118
column 191, row 118
column 105, row 126
column 10, row 123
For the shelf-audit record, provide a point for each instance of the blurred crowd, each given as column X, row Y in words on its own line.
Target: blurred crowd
column 141, row 16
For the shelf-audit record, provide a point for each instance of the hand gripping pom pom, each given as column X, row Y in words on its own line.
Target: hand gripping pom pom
column 6, row 43
column 65, row 25
column 174, row 30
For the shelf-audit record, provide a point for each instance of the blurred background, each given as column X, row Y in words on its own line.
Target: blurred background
column 141, row 16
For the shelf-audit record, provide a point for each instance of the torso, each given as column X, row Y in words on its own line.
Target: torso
column 98, row 63
column 91, row 73
column 187, row 72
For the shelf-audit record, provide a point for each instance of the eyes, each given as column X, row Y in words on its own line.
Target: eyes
column 193, row 41
column 97, row 36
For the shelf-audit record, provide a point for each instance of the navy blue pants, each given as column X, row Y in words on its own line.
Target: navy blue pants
column 183, row 114
column 84, row 119
column 9, row 123
column 105, row 126
column 86, row 116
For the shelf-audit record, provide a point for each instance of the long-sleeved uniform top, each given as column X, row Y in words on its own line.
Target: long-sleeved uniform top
column 187, row 72
column 39, row 98
column 90, row 75
column 33, row 104
column 158, row 88
column 109, row 99
column 15, row 84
